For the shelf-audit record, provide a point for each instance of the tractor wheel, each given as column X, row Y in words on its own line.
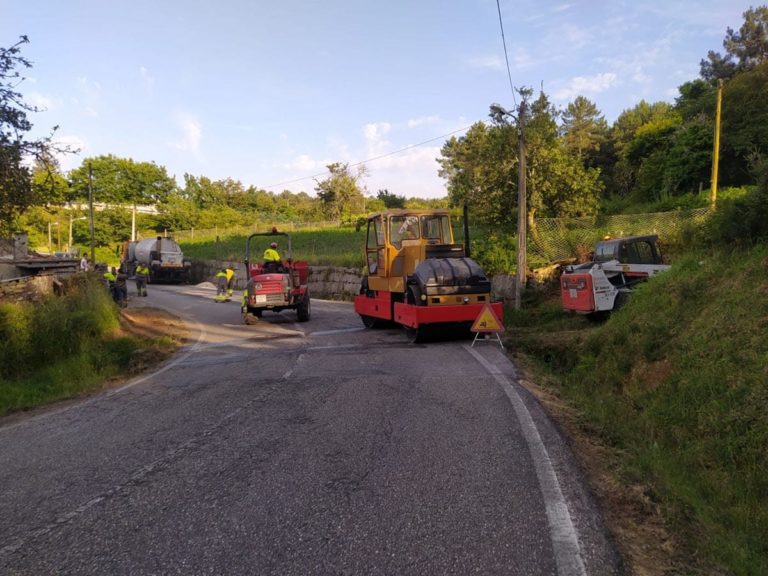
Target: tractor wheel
column 304, row 309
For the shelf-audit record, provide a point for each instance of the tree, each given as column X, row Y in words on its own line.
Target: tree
column 340, row 193
column 748, row 47
column 744, row 125
column 16, row 191
column 49, row 186
column 583, row 129
column 479, row 170
column 623, row 173
column 390, row 200
column 122, row 181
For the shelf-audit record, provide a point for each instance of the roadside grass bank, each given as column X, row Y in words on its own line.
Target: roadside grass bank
column 674, row 389
column 64, row 346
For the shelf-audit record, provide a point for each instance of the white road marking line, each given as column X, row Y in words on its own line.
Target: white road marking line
column 338, row 331
column 565, row 540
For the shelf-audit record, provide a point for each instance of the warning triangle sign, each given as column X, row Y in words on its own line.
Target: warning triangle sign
column 487, row 321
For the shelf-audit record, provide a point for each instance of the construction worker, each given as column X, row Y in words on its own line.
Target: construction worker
column 141, row 274
column 221, row 286
column 230, row 281
column 121, row 287
column 109, row 279
column 272, row 260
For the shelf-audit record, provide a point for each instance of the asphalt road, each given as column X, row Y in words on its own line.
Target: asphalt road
column 285, row 448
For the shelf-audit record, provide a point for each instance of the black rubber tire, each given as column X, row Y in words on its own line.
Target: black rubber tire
column 304, row 309
column 370, row 321
column 416, row 335
column 414, row 296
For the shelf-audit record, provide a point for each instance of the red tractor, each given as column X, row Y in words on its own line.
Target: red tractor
column 275, row 286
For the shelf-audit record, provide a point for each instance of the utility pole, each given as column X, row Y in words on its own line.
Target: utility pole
column 716, row 146
column 498, row 112
column 522, row 209
column 90, row 211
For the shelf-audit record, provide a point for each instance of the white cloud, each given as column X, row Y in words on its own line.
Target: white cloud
column 304, row 163
column 423, row 120
column 191, row 134
column 586, row 85
column 492, row 62
column 39, row 101
column 374, row 133
column 147, row 78
column 573, row 37
column 91, row 97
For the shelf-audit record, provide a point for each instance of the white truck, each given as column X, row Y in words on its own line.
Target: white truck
column 163, row 257
column 603, row 284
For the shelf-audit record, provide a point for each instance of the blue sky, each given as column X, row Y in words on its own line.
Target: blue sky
column 270, row 92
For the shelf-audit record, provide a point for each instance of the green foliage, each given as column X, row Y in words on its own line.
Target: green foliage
column 740, row 221
column 495, row 250
column 74, row 333
column 337, row 246
column 390, row 200
column 121, row 181
column 744, row 49
column 583, row 128
column 340, row 193
column 744, row 124
column 478, row 169
column 54, row 328
column 16, row 191
column 676, row 382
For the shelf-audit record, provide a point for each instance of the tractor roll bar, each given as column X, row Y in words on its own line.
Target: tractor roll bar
column 274, row 232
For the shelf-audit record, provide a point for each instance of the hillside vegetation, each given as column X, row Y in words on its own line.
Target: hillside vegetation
column 676, row 383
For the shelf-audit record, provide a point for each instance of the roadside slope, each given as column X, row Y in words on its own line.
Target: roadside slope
column 674, row 391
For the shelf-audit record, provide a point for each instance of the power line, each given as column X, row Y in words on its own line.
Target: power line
column 506, row 57
column 373, row 159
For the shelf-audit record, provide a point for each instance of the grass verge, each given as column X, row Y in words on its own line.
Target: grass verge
column 66, row 346
column 674, row 388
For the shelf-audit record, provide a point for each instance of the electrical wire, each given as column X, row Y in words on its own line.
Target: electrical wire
column 506, row 57
column 373, row 159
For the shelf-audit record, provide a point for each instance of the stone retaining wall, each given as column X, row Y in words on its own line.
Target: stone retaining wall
column 324, row 281
column 329, row 282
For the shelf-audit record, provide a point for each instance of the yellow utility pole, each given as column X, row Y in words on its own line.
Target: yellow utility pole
column 716, row 148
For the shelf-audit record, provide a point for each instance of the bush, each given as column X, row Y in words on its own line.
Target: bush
column 56, row 327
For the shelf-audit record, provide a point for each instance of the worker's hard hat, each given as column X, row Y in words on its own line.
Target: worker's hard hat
column 273, row 245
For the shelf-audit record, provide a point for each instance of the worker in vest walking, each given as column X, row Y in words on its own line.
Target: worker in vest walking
column 141, row 275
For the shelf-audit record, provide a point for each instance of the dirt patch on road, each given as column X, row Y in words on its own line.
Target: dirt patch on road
column 163, row 332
